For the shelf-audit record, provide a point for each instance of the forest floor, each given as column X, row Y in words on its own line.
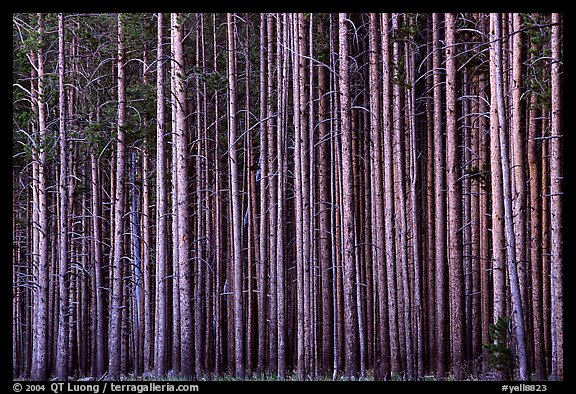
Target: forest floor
column 490, row 376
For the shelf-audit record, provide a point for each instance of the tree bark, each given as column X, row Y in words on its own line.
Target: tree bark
column 350, row 316
column 535, row 239
column 40, row 307
column 556, row 208
column 378, row 250
column 455, row 271
column 235, row 201
column 498, row 239
column 115, row 332
column 518, row 168
column 185, row 274
column 62, row 358
column 161, row 325
column 263, row 183
column 280, row 299
column 500, row 127
column 274, row 202
column 440, row 197
column 414, row 214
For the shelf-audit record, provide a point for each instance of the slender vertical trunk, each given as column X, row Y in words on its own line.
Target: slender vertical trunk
column 147, row 302
column 161, row 325
column 517, row 315
column 455, row 272
column 429, row 243
column 378, row 254
column 264, row 180
column 280, row 186
column 32, row 338
column 114, row 352
column 498, row 240
column 467, row 223
column 476, row 263
column 199, row 227
column 218, row 312
column 62, row 358
column 16, row 291
column 324, row 252
column 101, row 327
column 149, row 290
column 389, row 200
column 350, row 316
column 415, row 222
column 535, row 240
column 518, row 168
column 298, row 79
column 207, row 227
column 556, row 192
column 136, row 262
column 546, row 255
column 400, row 205
column 250, row 218
column 515, row 202
column 313, row 274
column 40, row 362
column 185, row 274
column 305, row 180
column 235, row 201
column 274, row 201
column 486, row 289
column 440, row 197
column 175, row 274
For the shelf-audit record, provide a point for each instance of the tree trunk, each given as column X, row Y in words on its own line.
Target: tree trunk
column 378, row 253
column 235, row 201
column 115, row 332
column 62, row 358
column 389, row 200
column 298, row 82
column 350, row 316
column 498, row 240
column 440, row 197
column 476, row 188
column 518, row 169
column 535, row 239
column 486, row 289
column 280, row 298
column 185, row 274
column 498, row 96
column 263, row 260
column 556, row 192
column 136, row 263
column 40, row 362
column 455, row 272
column 161, row 325
column 414, row 214
column 101, row 327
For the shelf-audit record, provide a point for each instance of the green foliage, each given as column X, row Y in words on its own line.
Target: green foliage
column 25, row 40
column 411, row 25
column 478, row 174
column 476, row 58
column 400, row 74
column 139, row 32
column 538, row 38
column 96, row 135
column 22, row 114
column 500, row 356
column 213, row 79
column 21, row 148
column 321, row 41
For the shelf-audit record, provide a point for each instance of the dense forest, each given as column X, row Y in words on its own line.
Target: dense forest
column 287, row 196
